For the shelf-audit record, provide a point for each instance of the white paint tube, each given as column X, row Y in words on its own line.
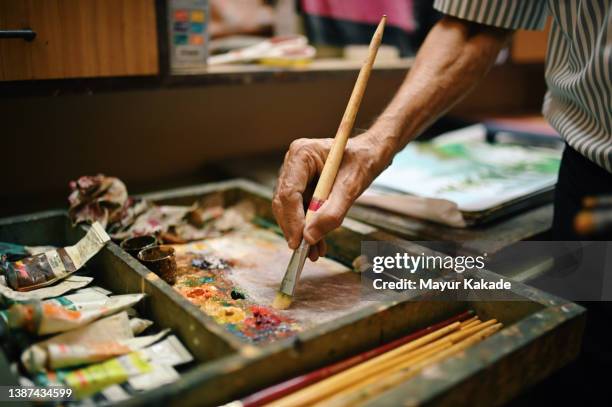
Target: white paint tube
column 82, row 300
column 169, row 352
column 138, row 325
column 95, row 288
column 115, row 327
column 160, row 375
column 58, row 323
column 95, row 378
column 49, row 317
column 65, row 355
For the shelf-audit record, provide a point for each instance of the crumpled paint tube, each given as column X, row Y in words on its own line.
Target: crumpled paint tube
column 46, row 268
column 94, row 378
column 115, row 328
column 64, row 355
column 49, row 317
column 169, row 352
column 15, row 252
column 160, row 375
column 138, row 325
column 68, row 284
column 81, row 301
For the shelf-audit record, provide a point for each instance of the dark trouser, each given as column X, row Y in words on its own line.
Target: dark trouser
column 578, row 178
column 587, row 380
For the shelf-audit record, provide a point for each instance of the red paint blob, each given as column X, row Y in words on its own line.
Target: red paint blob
column 262, row 318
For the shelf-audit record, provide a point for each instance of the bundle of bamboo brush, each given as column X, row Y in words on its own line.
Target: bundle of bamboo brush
column 360, row 383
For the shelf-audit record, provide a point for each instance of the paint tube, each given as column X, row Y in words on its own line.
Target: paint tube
column 95, row 288
column 94, row 378
column 138, row 325
column 81, row 301
column 14, row 252
column 62, row 355
column 68, row 284
column 100, row 340
column 99, row 377
column 114, row 327
column 49, row 317
column 46, row 268
column 169, row 352
column 160, row 375
column 112, row 394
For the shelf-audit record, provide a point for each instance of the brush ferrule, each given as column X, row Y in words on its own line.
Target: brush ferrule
column 294, row 269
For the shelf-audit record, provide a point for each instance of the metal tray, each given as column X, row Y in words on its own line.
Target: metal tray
column 541, row 334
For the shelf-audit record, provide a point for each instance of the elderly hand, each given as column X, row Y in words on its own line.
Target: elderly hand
column 364, row 158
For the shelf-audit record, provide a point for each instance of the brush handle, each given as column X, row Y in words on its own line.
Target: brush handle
column 334, row 158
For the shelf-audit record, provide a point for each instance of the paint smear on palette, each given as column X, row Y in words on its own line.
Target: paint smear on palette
column 234, row 279
column 203, row 280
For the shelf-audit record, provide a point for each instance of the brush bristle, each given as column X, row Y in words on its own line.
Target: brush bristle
column 282, row 301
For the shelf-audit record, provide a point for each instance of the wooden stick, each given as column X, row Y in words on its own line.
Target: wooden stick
column 382, row 384
column 419, row 355
column 334, row 158
column 470, row 324
column 462, row 334
column 469, row 321
column 327, row 387
column 416, row 357
column 282, row 389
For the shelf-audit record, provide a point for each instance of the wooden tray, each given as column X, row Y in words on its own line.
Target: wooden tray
column 541, row 334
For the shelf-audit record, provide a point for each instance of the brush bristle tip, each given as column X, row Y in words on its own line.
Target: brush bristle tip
column 282, row 301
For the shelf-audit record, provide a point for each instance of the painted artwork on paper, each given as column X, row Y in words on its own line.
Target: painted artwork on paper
column 463, row 168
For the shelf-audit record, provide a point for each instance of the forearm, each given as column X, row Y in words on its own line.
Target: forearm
column 454, row 57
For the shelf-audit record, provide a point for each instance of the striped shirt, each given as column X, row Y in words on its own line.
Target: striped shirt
column 578, row 103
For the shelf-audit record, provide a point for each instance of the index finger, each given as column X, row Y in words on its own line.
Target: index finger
column 288, row 203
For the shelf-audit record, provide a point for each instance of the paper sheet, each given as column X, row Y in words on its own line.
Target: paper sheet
column 461, row 167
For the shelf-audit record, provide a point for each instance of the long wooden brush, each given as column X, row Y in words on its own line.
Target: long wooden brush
column 340, row 381
column 389, row 369
column 284, row 297
column 287, row 387
column 381, row 383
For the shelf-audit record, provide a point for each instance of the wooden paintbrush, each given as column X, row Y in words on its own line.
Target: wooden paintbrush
column 284, row 296
column 287, row 387
column 389, row 368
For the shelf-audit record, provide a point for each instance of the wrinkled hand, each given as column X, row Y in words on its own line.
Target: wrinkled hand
column 363, row 160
